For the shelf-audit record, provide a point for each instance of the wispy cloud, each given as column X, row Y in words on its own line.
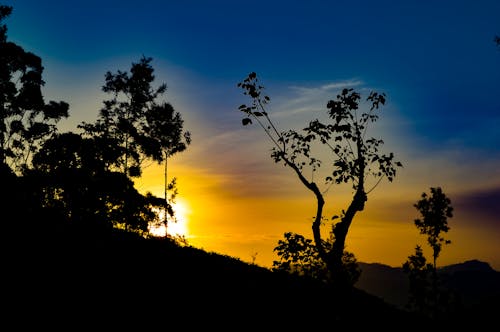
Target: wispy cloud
column 328, row 86
column 306, row 99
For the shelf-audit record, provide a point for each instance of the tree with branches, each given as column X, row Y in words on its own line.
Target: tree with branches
column 435, row 209
column 355, row 158
column 135, row 125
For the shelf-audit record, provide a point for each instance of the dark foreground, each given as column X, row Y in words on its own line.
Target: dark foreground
column 124, row 281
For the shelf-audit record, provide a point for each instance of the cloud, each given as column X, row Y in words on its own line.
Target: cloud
column 483, row 206
column 301, row 99
column 327, row 87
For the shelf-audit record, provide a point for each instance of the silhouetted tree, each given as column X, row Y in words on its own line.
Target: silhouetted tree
column 435, row 211
column 167, row 137
column 355, row 158
column 419, row 274
column 25, row 119
column 134, row 125
column 430, row 298
column 73, row 182
column 300, row 255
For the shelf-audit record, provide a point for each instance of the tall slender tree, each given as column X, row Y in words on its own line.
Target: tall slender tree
column 427, row 297
column 167, row 137
column 135, row 124
column 435, row 209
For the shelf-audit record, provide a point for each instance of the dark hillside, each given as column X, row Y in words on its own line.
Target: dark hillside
column 124, row 278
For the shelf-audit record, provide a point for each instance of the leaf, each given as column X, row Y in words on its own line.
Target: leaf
column 246, row 121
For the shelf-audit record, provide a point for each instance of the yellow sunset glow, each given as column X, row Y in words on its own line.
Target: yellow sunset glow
column 246, row 217
column 177, row 226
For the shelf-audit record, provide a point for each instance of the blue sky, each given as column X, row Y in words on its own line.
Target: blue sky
column 435, row 60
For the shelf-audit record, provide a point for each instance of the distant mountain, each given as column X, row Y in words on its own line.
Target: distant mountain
column 384, row 281
column 475, row 281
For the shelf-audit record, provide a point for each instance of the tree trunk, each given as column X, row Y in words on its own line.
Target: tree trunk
column 340, row 230
column 316, row 226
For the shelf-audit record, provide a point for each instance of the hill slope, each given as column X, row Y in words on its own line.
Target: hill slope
column 121, row 280
column 124, row 279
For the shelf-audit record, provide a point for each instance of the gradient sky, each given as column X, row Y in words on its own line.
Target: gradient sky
column 435, row 60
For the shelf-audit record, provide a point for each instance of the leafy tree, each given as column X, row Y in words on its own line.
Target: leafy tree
column 167, row 136
column 26, row 121
column 355, row 158
column 426, row 294
column 299, row 255
column 72, row 181
column 419, row 275
column 435, row 209
column 133, row 125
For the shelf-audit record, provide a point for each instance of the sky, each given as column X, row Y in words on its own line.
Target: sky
column 436, row 61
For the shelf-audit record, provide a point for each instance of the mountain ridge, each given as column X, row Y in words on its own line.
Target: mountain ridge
column 474, row 280
column 469, row 263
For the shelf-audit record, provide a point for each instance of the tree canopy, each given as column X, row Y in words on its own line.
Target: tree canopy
column 26, row 120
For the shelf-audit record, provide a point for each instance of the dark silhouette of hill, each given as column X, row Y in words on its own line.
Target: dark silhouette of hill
column 474, row 281
column 65, row 277
column 389, row 283
column 123, row 280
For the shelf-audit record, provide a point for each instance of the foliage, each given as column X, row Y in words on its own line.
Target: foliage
column 72, row 181
column 299, row 255
column 419, row 275
column 26, row 121
column 355, row 157
column 426, row 295
column 133, row 125
column 435, row 211
column 82, row 181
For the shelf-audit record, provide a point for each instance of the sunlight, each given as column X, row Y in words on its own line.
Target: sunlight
column 177, row 227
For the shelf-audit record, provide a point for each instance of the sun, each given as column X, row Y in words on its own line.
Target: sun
column 177, row 226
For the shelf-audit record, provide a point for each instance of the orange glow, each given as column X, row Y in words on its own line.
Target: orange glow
column 244, row 216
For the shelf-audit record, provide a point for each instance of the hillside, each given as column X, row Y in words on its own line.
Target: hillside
column 127, row 279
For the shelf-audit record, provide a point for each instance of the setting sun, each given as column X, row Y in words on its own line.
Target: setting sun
column 176, row 226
